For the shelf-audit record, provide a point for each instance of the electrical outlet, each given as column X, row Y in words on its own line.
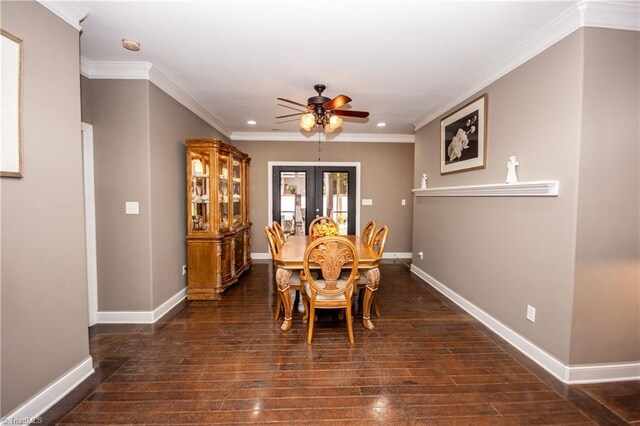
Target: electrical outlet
column 403, row 202
column 531, row 313
column 184, row 269
column 421, row 255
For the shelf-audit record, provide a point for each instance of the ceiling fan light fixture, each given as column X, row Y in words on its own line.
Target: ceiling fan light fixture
column 308, row 121
column 335, row 122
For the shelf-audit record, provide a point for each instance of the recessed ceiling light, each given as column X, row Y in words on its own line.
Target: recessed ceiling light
column 381, row 124
column 251, row 122
column 129, row 44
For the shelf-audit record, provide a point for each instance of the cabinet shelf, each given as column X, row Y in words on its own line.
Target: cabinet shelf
column 541, row 188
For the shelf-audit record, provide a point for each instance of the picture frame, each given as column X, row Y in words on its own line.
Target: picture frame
column 463, row 138
column 11, row 150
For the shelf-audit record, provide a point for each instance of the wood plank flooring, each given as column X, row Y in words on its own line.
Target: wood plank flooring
column 227, row 361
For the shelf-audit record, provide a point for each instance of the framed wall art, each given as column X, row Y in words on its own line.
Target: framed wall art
column 11, row 111
column 463, row 138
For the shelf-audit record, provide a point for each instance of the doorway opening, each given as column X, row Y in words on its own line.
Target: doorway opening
column 299, row 192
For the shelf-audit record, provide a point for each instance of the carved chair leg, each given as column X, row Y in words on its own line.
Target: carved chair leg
column 305, row 317
column 312, row 313
column 349, row 323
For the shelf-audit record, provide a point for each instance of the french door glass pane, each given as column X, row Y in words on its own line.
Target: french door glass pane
column 293, row 200
column 335, row 198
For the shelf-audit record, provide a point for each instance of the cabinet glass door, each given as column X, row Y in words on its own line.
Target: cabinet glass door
column 237, row 193
column 200, row 206
column 223, row 191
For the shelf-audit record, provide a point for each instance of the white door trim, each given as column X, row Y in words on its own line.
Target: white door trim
column 90, row 222
column 272, row 164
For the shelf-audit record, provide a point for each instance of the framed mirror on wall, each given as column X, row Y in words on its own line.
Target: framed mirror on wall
column 11, row 96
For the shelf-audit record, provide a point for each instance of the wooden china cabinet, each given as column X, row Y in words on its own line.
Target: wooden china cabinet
column 218, row 227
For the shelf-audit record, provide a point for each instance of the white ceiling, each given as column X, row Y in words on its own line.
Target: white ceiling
column 397, row 59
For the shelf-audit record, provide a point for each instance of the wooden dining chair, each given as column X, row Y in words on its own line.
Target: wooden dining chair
column 332, row 255
column 378, row 242
column 279, row 232
column 275, row 247
column 367, row 232
column 327, row 219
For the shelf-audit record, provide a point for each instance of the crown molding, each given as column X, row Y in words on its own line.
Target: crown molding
column 116, row 70
column 586, row 13
column 343, row 137
column 69, row 11
column 619, row 15
column 161, row 80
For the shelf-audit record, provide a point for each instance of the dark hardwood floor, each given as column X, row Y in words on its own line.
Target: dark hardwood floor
column 426, row 362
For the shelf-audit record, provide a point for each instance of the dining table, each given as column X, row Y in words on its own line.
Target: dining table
column 290, row 260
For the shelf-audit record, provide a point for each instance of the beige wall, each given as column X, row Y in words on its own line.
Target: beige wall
column 606, row 315
column 120, row 119
column 386, row 173
column 139, row 133
column 503, row 253
column 44, row 285
column 170, row 124
column 570, row 113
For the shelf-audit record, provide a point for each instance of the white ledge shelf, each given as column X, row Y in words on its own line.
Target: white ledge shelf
column 540, row 188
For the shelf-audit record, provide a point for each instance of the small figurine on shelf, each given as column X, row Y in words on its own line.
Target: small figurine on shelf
column 512, row 177
column 424, row 181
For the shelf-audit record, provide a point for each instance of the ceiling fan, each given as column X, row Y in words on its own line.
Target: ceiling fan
column 323, row 111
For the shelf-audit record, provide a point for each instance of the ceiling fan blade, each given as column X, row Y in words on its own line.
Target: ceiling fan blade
column 291, row 115
column 290, row 107
column 337, row 102
column 292, row 102
column 350, row 113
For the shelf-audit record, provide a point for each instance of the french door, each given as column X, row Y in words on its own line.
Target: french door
column 301, row 193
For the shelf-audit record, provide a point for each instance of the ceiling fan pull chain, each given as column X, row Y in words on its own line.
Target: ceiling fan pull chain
column 319, row 149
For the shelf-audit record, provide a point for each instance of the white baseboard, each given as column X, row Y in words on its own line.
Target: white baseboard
column 53, row 393
column 260, row 256
column 568, row 374
column 390, row 255
column 141, row 317
column 602, row 373
column 397, row 255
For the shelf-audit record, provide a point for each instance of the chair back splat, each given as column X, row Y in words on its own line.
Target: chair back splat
column 279, row 232
column 318, row 219
column 379, row 240
column 331, row 255
column 367, row 232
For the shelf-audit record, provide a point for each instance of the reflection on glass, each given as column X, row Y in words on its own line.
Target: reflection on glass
column 200, row 207
column 293, row 202
column 223, row 191
column 335, row 198
column 237, row 193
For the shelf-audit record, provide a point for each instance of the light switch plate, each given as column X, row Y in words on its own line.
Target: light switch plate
column 531, row 313
column 403, row 202
column 367, row 202
column 132, row 207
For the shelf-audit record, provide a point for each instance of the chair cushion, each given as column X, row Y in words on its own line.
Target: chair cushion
column 325, row 297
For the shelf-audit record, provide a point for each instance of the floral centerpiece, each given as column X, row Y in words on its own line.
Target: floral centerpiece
column 323, row 229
